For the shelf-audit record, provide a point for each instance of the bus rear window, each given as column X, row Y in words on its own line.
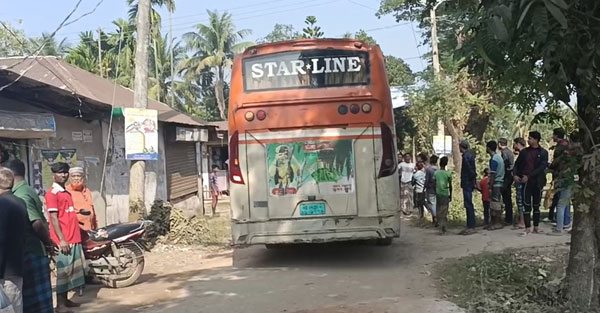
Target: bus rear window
column 306, row 69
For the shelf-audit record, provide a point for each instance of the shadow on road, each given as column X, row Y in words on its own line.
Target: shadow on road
column 343, row 255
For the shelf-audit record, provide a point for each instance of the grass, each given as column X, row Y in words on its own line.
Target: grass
column 515, row 281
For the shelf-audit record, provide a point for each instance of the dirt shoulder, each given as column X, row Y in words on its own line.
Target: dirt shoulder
column 311, row 279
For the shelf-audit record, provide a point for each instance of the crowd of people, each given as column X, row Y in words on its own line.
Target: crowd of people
column 30, row 236
column 427, row 187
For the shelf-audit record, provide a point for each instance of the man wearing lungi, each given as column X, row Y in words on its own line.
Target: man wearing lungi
column 37, row 290
column 65, row 232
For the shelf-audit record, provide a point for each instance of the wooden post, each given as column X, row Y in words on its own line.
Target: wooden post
column 137, row 170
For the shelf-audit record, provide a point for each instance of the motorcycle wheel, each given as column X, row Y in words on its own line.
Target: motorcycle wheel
column 133, row 268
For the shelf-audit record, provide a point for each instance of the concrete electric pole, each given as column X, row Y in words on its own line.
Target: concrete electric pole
column 137, row 170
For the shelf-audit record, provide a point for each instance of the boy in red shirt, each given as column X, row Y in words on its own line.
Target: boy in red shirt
column 485, row 197
column 65, row 232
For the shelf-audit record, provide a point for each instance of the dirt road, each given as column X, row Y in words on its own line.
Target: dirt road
column 308, row 279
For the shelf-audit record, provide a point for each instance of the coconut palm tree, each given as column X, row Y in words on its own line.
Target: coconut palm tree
column 123, row 54
column 213, row 46
column 85, row 54
column 161, row 83
column 50, row 45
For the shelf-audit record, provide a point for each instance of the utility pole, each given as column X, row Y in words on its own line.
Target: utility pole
column 100, row 51
column 137, row 171
column 434, row 41
column 172, row 95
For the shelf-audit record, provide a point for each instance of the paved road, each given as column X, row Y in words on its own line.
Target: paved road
column 308, row 279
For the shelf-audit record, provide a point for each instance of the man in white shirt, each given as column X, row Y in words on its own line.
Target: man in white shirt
column 406, row 170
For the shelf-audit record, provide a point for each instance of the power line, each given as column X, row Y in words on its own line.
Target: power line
column 51, row 35
column 193, row 23
column 417, row 44
column 362, row 5
column 85, row 14
column 382, row 28
column 41, row 47
column 191, row 26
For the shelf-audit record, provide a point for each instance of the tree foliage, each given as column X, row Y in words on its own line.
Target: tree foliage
column 213, row 46
column 398, row 72
column 13, row 41
column 281, row 32
column 549, row 51
column 311, row 30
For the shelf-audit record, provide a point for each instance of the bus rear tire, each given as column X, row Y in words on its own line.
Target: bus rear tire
column 384, row 242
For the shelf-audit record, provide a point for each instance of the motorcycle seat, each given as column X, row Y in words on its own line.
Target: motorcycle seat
column 114, row 231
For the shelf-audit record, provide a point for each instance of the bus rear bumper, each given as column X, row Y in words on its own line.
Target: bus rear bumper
column 315, row 230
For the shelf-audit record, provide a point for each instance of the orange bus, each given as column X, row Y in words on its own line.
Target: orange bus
column 312, row 152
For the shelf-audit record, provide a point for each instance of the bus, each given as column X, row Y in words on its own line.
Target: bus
column 312, row 144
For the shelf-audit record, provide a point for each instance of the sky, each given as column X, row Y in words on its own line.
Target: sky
column 335, row 17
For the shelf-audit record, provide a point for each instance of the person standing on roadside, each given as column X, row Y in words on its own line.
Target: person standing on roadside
column 82, row 198
column 443, row 191
column 495, row 185
column 406, row 170
column 419, row 184
column 530, row 170
column 66, row 234
column 214, row 189
column 563, row 174
column 430, row 188
column 37, row 290
column 518, row 146
column 509, row 164
column 468, row 181
column 13, row 231
column 484, row 188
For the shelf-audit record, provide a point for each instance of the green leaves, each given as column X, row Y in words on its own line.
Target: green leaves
column 497, row 27
column 540, row 23
column 556, row 12
column 525, row 11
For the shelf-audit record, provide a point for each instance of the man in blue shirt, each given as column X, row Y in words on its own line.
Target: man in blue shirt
column 468, row 181
column 495, row 183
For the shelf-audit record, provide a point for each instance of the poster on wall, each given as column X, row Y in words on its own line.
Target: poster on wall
column 141, row 134
column 37, row 178
column 50, row 157
column 311, row 168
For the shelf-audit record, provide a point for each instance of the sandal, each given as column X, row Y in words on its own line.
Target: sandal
column 537, row 231
column 468, row 231
column 524, row 234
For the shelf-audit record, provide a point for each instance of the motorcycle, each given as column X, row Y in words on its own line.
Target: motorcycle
column 115, row 254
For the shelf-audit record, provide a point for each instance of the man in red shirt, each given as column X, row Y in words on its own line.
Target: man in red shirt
column 65, row 232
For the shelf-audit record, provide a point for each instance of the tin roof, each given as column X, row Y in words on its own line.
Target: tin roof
column 57, row 73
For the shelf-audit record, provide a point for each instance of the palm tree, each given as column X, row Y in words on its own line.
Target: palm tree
column 85, row 54
column 213, row 46
column 50, row 45
column 161, row 83
column 122, row 55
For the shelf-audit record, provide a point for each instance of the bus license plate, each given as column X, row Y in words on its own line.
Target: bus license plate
column 312, row 209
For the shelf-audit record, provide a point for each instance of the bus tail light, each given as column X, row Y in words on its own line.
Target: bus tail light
column 249, row 116
column 354, row 109
column 261, row 115
column 235, row 171
column 388, row 160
